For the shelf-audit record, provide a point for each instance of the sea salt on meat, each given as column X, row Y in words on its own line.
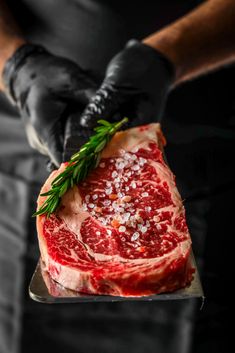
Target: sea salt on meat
column 123, row 231
column 135, row 236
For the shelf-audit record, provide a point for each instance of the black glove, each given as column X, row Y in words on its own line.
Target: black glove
column 47, row 89
column 136, row 85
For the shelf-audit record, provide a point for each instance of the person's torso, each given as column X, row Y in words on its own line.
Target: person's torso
column 92, row 31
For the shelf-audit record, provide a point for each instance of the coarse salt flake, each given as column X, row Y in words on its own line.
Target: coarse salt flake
column 91, row 205
column 122, row 229
column 121, row 220
column 84, row 207
column 115, row 204
column 120, row 209
column 94, row 197
column 135, row 236
column 127, row 156
column 120, row 165
column 114, row 174
column 97, row 233
column 142, row 161
column 108, row 191
column 133, row 157
column 107, row 202
column 142, row 228
column 133, row 184
column 102, row 220
column 126, row 216
column 135, row 167
column 145, row 194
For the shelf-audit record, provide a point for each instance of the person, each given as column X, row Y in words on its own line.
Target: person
column 64, row 65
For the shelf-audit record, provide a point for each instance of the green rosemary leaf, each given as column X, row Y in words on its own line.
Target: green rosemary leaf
column 78, row 176
column 99, row 129
column 71, row 183
column 83, row 173
column 42, row 210
column 51, row 197
column 82, row 149
column 75, row 156
column 79, row 166
column 48, row 193
column 75, row 171
column 54, row 205
column 64, row 187
column 104, row 122
column 98, row 157
column 101, row 145
column 59, row 178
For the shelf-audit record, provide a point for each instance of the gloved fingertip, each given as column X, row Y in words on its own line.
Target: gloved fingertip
column 88, row 120
column 56, row 158
column 74, row 139
column 50, row 166
column 55, row 150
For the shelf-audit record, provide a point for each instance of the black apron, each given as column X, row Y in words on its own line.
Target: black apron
column 199, row 126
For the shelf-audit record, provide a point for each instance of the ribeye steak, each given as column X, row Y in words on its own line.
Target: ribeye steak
column 122, row 231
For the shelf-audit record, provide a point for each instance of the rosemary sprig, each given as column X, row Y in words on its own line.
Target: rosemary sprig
column 80, row 164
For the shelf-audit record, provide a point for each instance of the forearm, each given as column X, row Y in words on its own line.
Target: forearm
column 10, row 37
column 200, row 41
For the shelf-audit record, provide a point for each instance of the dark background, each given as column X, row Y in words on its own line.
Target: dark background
column 199, row 124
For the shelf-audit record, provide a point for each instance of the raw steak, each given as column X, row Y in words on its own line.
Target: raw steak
column 123, row 230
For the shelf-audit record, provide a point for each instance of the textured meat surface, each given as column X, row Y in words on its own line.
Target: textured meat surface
column 123, row 230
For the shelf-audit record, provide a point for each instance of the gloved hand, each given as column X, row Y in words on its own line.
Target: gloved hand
column 136, row 85
column 47, row 89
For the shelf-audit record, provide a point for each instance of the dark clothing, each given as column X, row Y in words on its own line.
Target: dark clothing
column 199, row 126
column 92, row 31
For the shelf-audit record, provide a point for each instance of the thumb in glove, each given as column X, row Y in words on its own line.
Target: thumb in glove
column 136, row 85
column 46, row 89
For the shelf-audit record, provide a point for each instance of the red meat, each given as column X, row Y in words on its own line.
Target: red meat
column 123, row 230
